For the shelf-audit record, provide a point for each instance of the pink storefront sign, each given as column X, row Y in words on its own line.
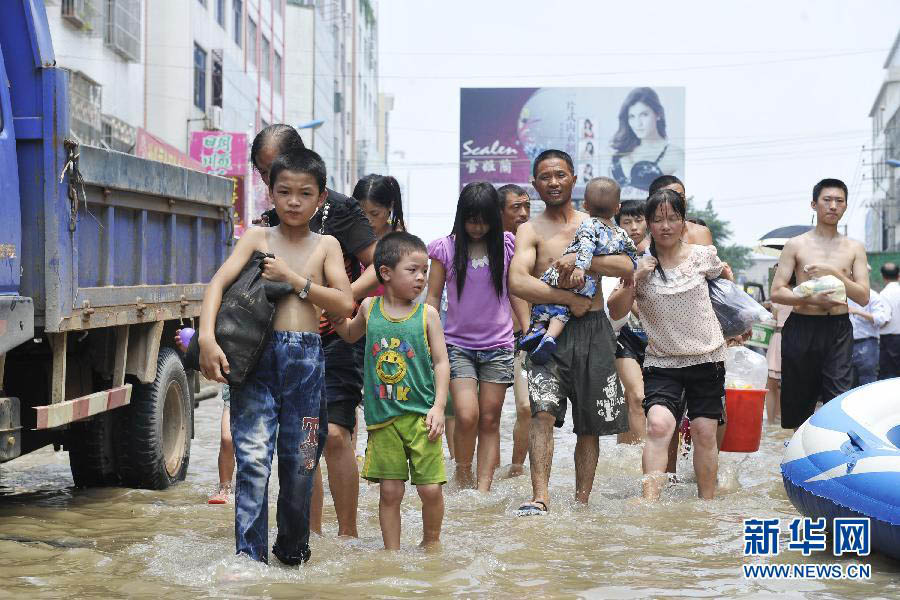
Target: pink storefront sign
column 220, row 152
column 149, row 146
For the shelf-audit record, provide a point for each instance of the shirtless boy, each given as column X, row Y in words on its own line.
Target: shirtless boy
column 582, row 371
column 282, row 395
column 817, row 338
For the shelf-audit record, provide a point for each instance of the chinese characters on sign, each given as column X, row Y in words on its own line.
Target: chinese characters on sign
column 220, row 152
column 224, row 153
column 851, row 536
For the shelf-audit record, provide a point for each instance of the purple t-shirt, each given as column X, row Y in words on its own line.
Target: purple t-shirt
column 480, row 320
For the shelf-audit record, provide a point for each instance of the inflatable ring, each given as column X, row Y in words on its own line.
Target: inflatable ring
column 844, row 461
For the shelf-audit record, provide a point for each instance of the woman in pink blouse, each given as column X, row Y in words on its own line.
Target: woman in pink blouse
column 684, row 368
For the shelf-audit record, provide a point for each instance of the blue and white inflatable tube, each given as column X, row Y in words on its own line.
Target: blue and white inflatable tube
column 845, row 462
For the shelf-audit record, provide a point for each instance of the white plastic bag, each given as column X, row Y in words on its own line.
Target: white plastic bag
column 745, row 369
column 826, row 283
column 736, row 310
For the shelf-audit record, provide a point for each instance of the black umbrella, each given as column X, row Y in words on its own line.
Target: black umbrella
column 773, row 242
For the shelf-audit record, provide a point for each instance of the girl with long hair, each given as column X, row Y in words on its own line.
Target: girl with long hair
column 473, row 261
column 641, row 148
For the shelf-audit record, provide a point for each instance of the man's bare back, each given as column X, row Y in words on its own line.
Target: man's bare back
column 551, row 238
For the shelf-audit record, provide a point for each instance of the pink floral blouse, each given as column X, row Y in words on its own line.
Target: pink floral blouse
column 677, row 313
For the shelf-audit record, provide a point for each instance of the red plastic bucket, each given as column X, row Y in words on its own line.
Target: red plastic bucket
column 744, row 412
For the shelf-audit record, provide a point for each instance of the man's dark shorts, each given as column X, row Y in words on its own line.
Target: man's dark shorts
column 343, row 379
column 889, row 356
column 816, row 364
column 582, row 371
column 699, row 389
column 630, row 345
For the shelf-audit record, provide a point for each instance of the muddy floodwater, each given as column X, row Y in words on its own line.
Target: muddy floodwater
column 56, row 542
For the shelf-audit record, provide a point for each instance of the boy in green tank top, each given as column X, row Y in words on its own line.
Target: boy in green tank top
column 406, row 376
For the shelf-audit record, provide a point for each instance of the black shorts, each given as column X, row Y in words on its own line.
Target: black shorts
column 630, row 345
column 343, row 379
column 582, row 371
column 889, row 356
column 699, row 389
column 816, row 364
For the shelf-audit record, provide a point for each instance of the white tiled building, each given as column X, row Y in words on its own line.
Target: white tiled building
column 337, row 44
column 883, row 218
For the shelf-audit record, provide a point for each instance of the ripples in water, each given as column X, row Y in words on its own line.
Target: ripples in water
column 57, row 541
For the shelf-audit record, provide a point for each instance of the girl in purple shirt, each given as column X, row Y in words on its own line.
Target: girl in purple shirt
column 473, row 263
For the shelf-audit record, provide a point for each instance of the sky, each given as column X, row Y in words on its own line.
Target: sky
column 777, row 92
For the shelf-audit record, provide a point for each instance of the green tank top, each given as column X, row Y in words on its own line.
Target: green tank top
column 398, row 374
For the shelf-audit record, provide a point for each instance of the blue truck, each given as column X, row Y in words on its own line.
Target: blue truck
column 103, row 256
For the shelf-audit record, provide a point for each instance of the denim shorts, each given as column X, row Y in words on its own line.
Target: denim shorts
column 491, row 366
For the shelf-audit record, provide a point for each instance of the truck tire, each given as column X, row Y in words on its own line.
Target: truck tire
column 91, row 452
column 155, row 437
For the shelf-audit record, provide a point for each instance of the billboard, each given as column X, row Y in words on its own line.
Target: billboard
column 630, row 134
column 226, row 153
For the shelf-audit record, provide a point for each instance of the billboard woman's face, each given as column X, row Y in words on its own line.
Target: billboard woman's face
column 642, row 120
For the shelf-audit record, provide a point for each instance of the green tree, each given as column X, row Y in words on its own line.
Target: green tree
column 735, row 255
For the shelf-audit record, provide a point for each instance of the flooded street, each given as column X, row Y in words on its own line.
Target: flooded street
column 113, row 543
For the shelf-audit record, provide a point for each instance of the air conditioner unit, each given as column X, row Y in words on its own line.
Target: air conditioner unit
column 214, row 117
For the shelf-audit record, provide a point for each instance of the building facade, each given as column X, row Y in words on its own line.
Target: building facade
column 883, row 217
column 333, row 93
column 147, row 74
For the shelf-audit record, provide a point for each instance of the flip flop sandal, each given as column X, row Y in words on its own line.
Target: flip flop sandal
column 531, row 509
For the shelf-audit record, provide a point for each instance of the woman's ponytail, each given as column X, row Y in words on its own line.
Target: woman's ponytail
column 396, row 200
column 384, row 191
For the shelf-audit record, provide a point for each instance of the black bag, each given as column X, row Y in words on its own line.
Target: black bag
column 244, row 321
column 736, row 310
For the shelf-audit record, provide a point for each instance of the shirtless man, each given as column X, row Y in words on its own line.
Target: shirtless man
column 582, row 371
column 817, row 338
column 515, row 209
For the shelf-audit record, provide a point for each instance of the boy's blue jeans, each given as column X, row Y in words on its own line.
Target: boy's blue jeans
column 281, row 398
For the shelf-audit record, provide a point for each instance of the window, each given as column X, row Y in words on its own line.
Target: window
column 199, row 77
column 123, row 28
column 251, row 41
column 278, row 6
column 217, row 78
column 264, row 60
column 85, row 101
column 220, row 13
column 237, row 7
column 276, row 73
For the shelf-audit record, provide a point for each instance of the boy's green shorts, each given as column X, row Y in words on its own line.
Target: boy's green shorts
column 401, row 448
